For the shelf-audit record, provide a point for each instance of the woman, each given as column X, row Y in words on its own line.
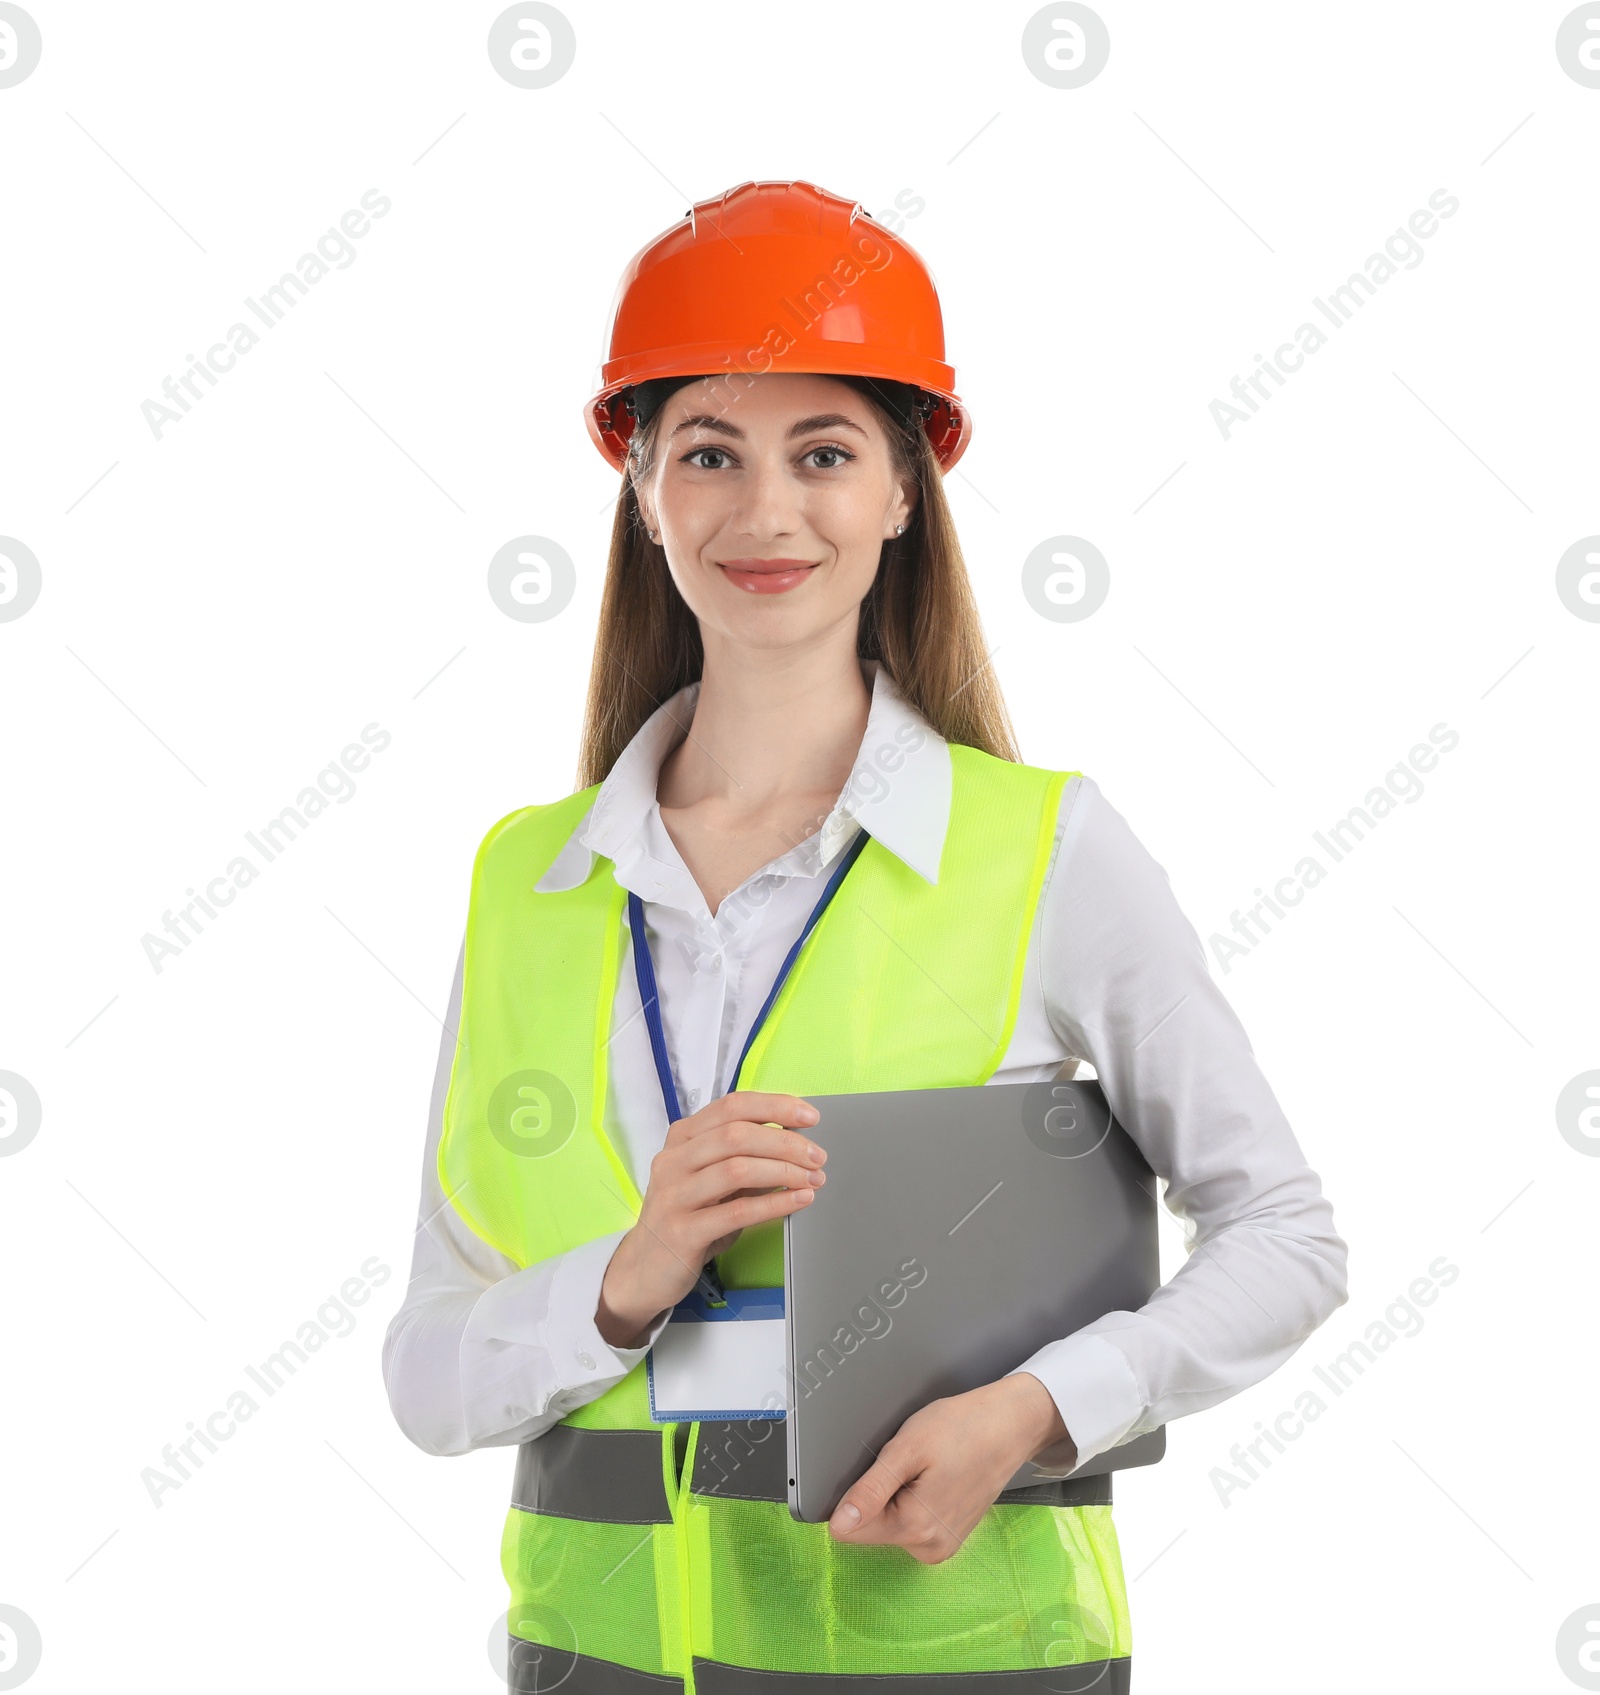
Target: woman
column 790, row 700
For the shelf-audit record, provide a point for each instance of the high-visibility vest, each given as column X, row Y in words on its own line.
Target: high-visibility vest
column 656, row 1557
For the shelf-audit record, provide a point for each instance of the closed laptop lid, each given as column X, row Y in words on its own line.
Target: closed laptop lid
column 959, row 1231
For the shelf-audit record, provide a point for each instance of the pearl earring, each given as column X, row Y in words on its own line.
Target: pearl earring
column 899, row 529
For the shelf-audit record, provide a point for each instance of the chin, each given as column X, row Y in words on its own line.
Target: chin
column 773, row 623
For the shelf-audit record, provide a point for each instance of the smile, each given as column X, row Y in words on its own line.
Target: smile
column 767, row 576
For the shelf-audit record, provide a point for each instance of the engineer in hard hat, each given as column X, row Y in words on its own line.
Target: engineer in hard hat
column 805, row 858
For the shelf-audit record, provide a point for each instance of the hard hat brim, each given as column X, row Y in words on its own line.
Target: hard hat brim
column 610, row 426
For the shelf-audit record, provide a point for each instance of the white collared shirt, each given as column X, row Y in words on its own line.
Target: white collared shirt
column 484, row 1353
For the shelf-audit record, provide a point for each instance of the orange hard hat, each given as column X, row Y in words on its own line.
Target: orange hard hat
column 778, row 276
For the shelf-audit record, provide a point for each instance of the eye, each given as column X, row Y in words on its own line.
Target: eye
column 693, row 457
column 833, row 456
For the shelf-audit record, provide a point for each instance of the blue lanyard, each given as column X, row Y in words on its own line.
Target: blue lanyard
column 644, row 969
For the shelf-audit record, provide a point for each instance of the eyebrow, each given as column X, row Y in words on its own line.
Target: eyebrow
column 805, row 427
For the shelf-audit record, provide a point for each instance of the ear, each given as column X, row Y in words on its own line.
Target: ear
column 900, row 512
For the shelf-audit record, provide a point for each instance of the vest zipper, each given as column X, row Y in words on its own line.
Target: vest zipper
column 680, row 1507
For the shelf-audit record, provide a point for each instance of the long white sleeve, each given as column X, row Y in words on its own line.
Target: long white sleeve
column 484, row 1353
column 1124, row 984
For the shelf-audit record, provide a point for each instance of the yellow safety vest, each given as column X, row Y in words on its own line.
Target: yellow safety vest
column 653, row 1557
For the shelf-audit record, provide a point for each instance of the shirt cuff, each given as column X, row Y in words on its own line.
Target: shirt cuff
column 580, row 1353
column 548, row 1308
column 1094, row 1390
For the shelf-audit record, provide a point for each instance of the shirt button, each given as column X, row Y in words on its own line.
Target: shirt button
column 716, row 962
column 586, row 1361
column 693, row 1098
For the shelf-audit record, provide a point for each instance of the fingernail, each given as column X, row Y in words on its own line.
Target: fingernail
column 816, row 1178
column 814, row 1152
column 847, row 1517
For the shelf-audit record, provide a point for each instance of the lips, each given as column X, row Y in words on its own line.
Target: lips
column 767, row 576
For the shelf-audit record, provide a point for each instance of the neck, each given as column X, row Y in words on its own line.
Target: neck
column 770, row 724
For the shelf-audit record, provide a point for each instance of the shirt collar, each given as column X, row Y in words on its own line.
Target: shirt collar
column 898, row 791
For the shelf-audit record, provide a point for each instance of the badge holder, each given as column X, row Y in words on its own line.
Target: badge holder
column 722, row 1361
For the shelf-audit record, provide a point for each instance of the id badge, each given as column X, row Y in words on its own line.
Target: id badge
column 720, row 1362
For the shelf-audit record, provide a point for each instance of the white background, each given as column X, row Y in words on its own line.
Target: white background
column 226, row 1141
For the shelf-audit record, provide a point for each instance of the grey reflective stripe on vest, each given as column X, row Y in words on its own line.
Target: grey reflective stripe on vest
column 1092, row 1677
column 1061, row 1492
column 745, row 1459
column 534, row 1670
column 614, row 1476
column 609, row 1475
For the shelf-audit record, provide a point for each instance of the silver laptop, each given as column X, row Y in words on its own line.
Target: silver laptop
column 958, row 1232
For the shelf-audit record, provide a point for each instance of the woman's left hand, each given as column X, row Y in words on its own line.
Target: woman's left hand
column 946, row 1465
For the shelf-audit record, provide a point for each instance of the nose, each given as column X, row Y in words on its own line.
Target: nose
column 769, row 504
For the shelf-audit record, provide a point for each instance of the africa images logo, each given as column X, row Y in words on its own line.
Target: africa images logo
column 1402, row 250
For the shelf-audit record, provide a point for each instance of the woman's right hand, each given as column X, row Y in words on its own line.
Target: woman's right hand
column 715, row 1175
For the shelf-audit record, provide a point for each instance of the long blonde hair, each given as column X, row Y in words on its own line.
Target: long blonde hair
column 919, row 619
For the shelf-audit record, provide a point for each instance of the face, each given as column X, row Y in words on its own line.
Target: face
column 772, row 501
